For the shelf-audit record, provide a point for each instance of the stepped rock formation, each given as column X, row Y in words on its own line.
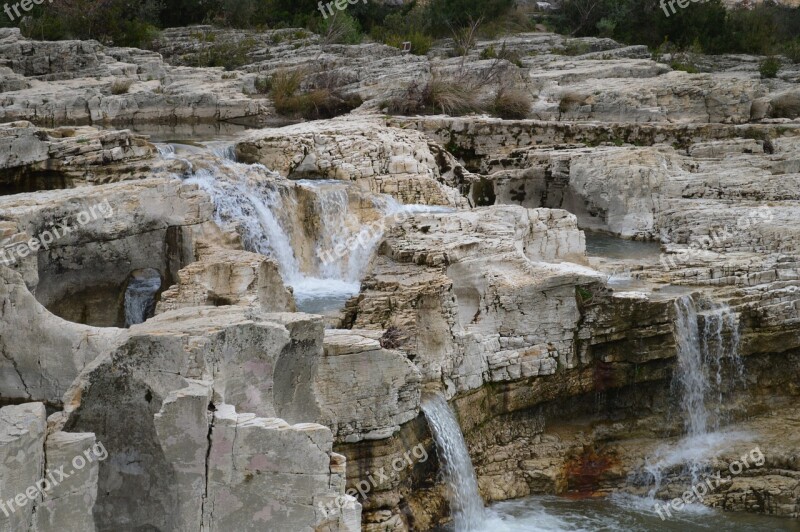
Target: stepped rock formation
column 228, row 409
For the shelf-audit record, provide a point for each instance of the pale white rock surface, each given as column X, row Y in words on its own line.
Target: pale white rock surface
column 72, row 83
column 461, row 287
column 23, row 430
column 365, row 391
column 265, row 473
column 228, row 277
column 379, row 159
column 181, row 377
column 69, row 504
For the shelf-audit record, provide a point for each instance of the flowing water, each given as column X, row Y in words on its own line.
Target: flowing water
column 266, row 212
column 619, row 514
column 702, row 356
column 255, row 202
column 140, row 296
column 466, row 504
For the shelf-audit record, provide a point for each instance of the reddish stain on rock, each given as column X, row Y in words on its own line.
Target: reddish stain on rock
column 585, row 471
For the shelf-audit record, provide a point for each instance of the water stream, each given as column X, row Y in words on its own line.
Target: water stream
column 140, row 296
column 275, row 217
column 466, row 504
column 702, row 355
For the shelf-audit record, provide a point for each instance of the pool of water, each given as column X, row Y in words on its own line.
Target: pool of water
column 614, row 247
column 321, row 296
column 619, row 513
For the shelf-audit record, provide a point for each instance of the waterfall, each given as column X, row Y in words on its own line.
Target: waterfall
column 140, row 296
column 691, row 373
column 702, row 353
column 336, row 229
column 251, row 206
column 701, row 357
column 459, row 476
column 264, row 209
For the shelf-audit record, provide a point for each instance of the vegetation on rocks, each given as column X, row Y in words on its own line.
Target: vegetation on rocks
column 313, row 103
column 766, row 29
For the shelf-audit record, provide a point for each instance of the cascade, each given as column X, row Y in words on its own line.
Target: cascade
column 263, row 207
column 702, row 353
column 459, row 476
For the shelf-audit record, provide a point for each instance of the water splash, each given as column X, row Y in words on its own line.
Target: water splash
column 702, row 354
column 466, row 504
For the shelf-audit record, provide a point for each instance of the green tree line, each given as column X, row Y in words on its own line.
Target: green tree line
column 704, row 26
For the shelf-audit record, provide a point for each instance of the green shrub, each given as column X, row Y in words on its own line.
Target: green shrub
column 574, row 48
column 769, row 67
column 229, row 54
column 792, row 51
column 447, row 14
column 685, row 67
column 420, row 43
column 341, row 29
column 489, row 53
column 313, row 104
column 263, row 85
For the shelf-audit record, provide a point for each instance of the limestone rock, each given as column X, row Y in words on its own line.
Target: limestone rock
column 365, row 392
column 226, row 277
column 379, row 159
column 22, row 435
column 458, row 286
column 70, row 503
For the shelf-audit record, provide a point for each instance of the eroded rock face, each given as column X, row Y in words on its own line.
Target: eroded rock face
column 22, row 433
column 88, row 83
column 366, row 392
column 63, row 349
column 45, row 159
column 49, row 477
column 459, row 285
column 211, row 363
column 379, row 159
column 223, row 277
column 230, row 411
column 117, row 228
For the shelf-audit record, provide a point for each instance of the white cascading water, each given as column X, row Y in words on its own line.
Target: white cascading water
column 701, row 358
column 140, row 296
column 248, row 196
column 466, row 504
column 702, row 353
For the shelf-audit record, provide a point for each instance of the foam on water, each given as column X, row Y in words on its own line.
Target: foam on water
column 618, row 513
